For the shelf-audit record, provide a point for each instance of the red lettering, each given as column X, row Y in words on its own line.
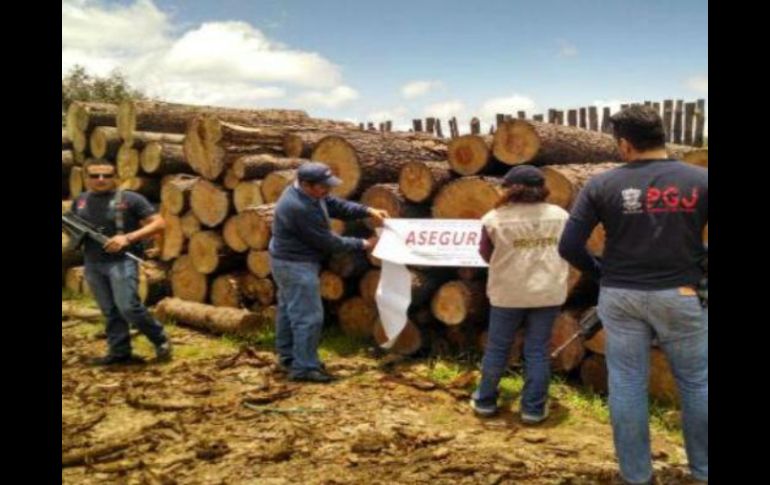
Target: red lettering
column 653, row 196
column 671, row 196
column 692, row 201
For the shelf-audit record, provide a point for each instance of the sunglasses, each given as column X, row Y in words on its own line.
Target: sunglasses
column 95, row 176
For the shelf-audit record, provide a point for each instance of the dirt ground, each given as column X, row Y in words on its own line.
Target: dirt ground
column 221, row 413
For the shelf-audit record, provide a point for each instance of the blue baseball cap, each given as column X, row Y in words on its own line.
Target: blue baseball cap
column 317, row 173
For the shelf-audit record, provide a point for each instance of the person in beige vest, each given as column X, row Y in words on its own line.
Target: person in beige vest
column 527, row 285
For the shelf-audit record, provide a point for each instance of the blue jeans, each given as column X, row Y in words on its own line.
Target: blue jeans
column 630, row 317
column 503, row 323
column 115, row 288
column 300, row 315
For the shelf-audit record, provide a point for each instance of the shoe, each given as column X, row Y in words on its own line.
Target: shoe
column 163, row 352
column 481, row 410
column 533, row 418
column 111, row 359
column 312, row 376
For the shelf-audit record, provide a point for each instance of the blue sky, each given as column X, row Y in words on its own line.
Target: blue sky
column 370, row 61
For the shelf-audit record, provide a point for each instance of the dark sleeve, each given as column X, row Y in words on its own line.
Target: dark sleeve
column 314, row 231
column 583, row 219
column 345, row 209
column 139, row 205
column 486, row 247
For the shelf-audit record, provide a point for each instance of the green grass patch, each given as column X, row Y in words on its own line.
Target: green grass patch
column 334, row 343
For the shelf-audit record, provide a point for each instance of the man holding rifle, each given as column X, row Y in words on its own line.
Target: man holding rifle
column 125, row 218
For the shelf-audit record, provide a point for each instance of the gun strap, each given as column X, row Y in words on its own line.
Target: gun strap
column 119, row 219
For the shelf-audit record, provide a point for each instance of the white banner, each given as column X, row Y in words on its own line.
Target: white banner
column 421, row 242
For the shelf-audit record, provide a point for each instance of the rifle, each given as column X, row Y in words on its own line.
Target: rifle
column 589, row 325
column 80, row 228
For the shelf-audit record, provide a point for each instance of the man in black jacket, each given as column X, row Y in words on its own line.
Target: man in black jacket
column 301, row 239
column 653, row 210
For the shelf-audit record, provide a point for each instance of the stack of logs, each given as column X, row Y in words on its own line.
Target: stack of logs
column 217, row 173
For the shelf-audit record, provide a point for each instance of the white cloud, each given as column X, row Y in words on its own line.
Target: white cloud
column 399, row 114
column 416, row 89
column 567, row 49
column 507, row 105
column 446, row 109
column 331, row 99
column 699, row 84
column 226, row 63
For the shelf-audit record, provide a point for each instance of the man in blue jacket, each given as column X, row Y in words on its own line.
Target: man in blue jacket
column 301, row 239
column 653, row 210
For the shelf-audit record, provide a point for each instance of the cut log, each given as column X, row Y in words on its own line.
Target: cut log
column 232, row 237
column 459, row 301
column 67, row 162
column 147, row 186
column 350, row 264
column 469, row 154
column 419, row 181
column 596, row 343
column 247, row 193
column 226, row 290
column 104, row 142
column 258, row 263
column 207, row 317
column 332, row 286
column 367, row 287
column 82, row 117
column 259, row 166
column 357, row 317
column 692, row 155
column 66, row 141
column 173, row 238
column 408, row 342
column 154, row 282
column 127, row 161
column 75, row 182
column 565, row 325
column 163, row 159
column 190, row 224
column 210, row 203
column 186, row 282
column 364, row 159
column 275, row 183
column 390, row 198
column 209, row 253
column 593, row 373
column 260, row 289
column 230, row 181
column 565, row 181
column 254, row 225
column 141, row 139
column 175, row 193
column 69, row 257
column 467, row 198
column 75, row 281
column 519, row 141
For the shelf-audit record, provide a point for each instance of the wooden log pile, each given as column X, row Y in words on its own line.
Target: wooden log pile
column 216, row 174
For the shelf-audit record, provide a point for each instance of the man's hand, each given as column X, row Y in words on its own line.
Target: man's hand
column 370, row 243
column 378, row 214
column 117, row 243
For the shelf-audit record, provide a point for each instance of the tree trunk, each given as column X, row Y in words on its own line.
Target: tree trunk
column 104, row 142
column 408, row 342
column 565, row 181
column 186, row 282
column 390, row 198
column 190, row 224
column 470, row 154
column 226, row 290
column 175, row 193
column 230, row 181
column 258, row 263
column 254, row 225
column 419, row 181
column 173, row 238
column 66, row 141
column 593, row 374
column 247, row 194
column 357, row 318
column 127, row 161
column 364, row 159
column 332, row 286
column 251, row 167
column 274, row 184
column 75, row 182
column 565, row 325
column 260, row 289
column 209, row 253
column 163, row 159
column 141, row 139
column 210, row 203
column 695, row 156
column 467, row 198
column 459, row 301
column 82, row 117
column 519, row 141
column 232, row 237
column 367, row 287
column 207, row 317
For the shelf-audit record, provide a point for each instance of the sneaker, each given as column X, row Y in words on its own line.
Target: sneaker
column 533, row 418
column 163, row 352
column 111, row 359
column 482, row 410
column 312, row 376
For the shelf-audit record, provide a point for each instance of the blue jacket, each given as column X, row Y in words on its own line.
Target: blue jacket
column 301, row 229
